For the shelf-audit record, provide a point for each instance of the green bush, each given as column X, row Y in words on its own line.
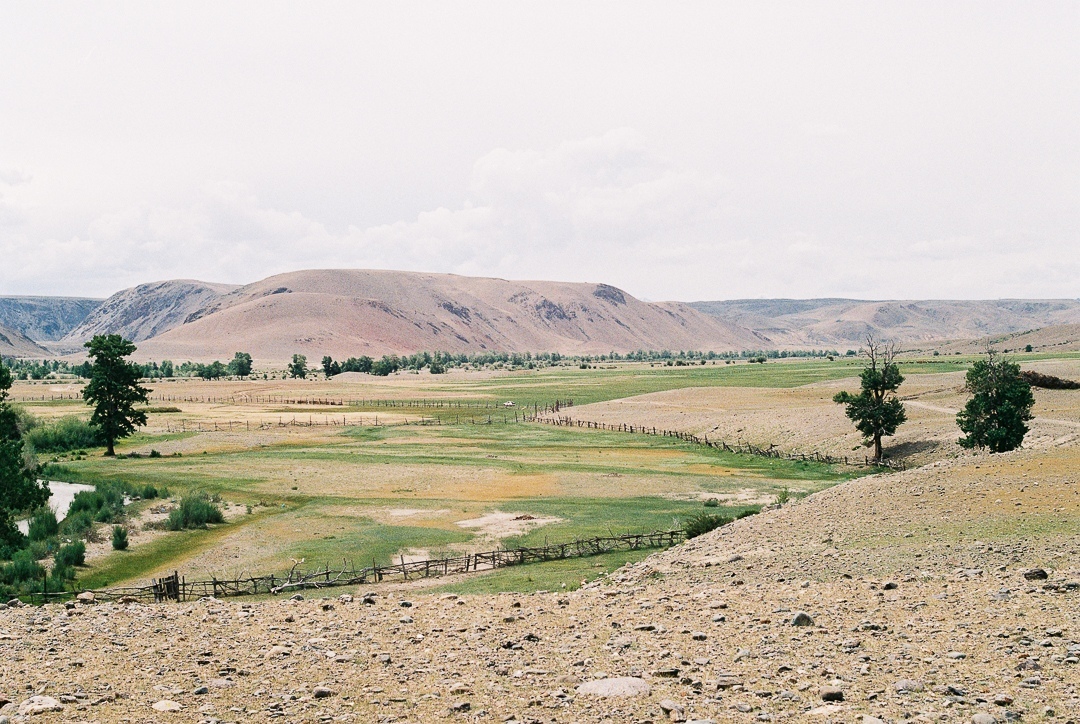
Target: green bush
column 23, row 568
column 149, row 492
column 195, row 511
column 78, row 525
column 73, row 554
column 61, row 574
column 704, row 522
column 747, row 512
column 119, row 538
column 783, row 496
column 67, row 433
column 43, row 524
column 105, row 503
column 712, row 503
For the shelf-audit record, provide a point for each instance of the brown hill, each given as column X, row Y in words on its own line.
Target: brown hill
column 16, row 344
column 357, row 312
column 141, row 312
column 846, row 322
column 1056, row 338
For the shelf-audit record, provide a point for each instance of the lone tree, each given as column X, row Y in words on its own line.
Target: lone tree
column 876, row 410
column 114, row 389
column 20, row 489
column 298, row 366
column 1000, row 404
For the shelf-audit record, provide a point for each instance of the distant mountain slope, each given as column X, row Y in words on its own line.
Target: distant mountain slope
column 141, row 312
column 831, row 322
column 1056, row 338
column 45, row 319
column 15, row 344
column 356, row 312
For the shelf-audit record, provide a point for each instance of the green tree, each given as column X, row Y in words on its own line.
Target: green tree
column 20, row 490
column 298, row 366
column 876, row 411
column 114, row 389
column 330, row 367
column 1000, row 404
column 213, row 371
column 240, row 364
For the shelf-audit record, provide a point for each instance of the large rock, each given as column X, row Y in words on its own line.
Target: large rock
column 166, row 705
column 620, row 686
column 39, row 705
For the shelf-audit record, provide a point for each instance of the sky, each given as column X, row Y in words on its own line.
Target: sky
column 677, row 150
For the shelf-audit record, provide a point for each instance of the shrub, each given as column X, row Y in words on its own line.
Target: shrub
column 43, row 524
column 712, row 503
column 149, row 492
column 783, row 496
column 78, row 525
column 73, row 554
column 195, row 511
column 747, row 512
column 67, row 433
column 23, row 568
column 119, row 538
column 61, row 574
column 704, row 522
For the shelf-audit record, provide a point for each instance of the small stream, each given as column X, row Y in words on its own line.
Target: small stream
column 59, row 501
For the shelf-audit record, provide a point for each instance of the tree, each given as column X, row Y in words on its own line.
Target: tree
column 1000, row 404
column 20, row 490
column 330, row 367
column 240, row 365
column 298, row 367
column 876, row 411
column 114, row 389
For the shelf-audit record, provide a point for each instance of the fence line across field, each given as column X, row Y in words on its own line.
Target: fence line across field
column 743, row 448
column 177, row 588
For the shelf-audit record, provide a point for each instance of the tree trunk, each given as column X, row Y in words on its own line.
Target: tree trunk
column 109, row 451
column 877, row 449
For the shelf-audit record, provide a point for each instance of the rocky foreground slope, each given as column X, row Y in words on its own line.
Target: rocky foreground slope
column 945, row 593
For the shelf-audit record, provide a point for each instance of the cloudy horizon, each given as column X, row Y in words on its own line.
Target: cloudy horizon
column 688, row 152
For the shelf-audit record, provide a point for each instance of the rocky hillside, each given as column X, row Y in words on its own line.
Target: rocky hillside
column 846, row 322
column 357, row 312
column 146, row 310
column 944, row 593
column 15, row 344
column 45, row 319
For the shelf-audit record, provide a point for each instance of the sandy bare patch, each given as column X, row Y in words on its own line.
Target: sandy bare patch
column 497, row 525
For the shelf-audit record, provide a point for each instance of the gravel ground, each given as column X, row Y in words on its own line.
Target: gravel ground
column 916, row 591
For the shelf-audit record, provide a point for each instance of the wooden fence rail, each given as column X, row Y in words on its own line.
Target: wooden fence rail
column 745, row 448
column 177, row 588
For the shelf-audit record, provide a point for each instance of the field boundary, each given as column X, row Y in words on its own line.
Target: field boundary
column 177, row 588
column 743, row 448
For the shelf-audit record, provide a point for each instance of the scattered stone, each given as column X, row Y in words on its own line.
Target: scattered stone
column 802, row 619
column 673, row 710
column 86, row 597
column 1002, row 699
column 867, row 719
column 297, row 597
column 1035, row 574
column 832, row 693
column 890, row 586
column 956, row 655
column 905, row 686
column 201, row 690
column 699, row 636
column 984, row 718
column 461, row 706
column 166, row 705
column 322, row 692
column 620, row 686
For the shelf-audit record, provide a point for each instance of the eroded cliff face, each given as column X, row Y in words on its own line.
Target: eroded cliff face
column 147, row 310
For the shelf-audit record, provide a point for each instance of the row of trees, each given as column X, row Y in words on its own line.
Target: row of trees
column 993, row 418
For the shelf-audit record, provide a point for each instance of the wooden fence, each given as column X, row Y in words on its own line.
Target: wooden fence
column 745, row 448
column 177, row 588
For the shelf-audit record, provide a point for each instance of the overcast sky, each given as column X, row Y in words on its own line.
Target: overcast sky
column 677, row 150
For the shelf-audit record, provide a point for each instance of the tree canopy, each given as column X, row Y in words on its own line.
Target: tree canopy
column 1000, row 404
column 114, row 389
column 20, row 489
column 298, row 366
column 240, row 364
column 876, row 411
